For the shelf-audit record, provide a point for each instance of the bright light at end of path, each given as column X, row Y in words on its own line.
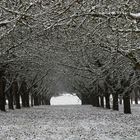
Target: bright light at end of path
column 66, row 99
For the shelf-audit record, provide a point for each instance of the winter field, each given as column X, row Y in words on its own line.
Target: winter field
column 71, row 122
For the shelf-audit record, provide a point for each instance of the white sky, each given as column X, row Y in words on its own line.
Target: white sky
column 65, row 99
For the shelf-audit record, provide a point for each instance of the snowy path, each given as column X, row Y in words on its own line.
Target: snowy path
column 69, row 123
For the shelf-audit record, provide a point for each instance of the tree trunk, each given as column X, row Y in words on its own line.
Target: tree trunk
column 47, row 102
column 131, row 99
column 126, row 101
column 2, row 94
column 16, row 94
column 32, row 100
column 23, row 100
column 120, row 99
column 97, row 100
column 94, row 100
column 24, row 94
column 39, row 99
column 42, row 100
column 136, row 97
column 27, row 104
column 107, row 100
column 115, row 102
column 10, row 99
column 85, row 100
column 102, row 101
column 36, row 102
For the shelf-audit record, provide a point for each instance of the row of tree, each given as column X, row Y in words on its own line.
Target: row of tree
column 18, row 94
column 88, row 47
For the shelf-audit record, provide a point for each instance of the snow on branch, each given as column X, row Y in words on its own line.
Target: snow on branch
column 126, row 30
column 4, row 23
column 15, row 12
column 135, row 15
column 114, row 14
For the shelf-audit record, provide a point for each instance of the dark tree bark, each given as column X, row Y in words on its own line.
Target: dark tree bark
column 107, row 100
column 120, row 99
column 42, row 100
column 23, row 100
column 36, row 100
column 85, row 100
column 102, row 101
column 32, row 100
column 24, row 94
column 10, row 99
column 27, row 99
column 131, row 99
column 39, row 99
column 47, row 102
column 136, row 97
column 97, row 101
column 2, row 94
column 94, row 100
column 115, row 102
column 126, row 102
column 16, row 94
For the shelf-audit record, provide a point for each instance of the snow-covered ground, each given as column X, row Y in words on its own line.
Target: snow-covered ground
column 71, row 122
